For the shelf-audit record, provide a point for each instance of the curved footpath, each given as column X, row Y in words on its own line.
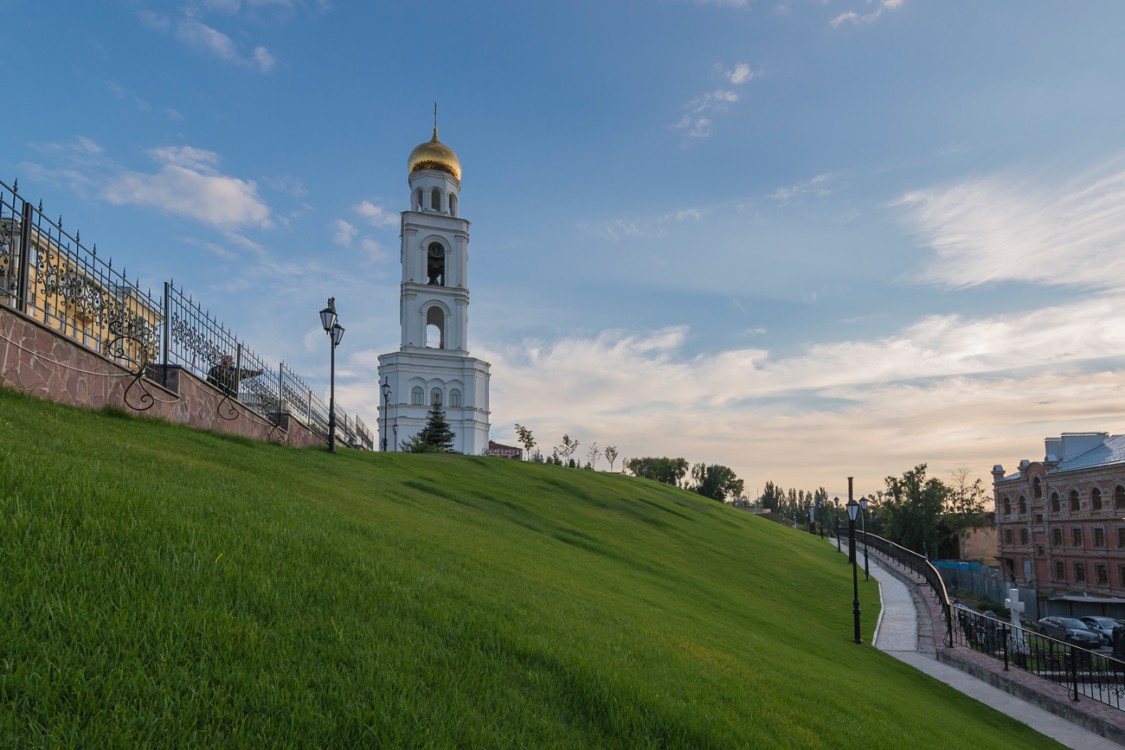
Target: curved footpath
column 905, row 630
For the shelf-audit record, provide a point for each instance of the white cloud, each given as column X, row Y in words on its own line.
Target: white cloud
column 210, row 41
column 189, row 184
column 344, row 233
column 1011, row 228
column 859, row 19
column 698, row 120
column 819, row 185
column 376, row 215
column 654, row 226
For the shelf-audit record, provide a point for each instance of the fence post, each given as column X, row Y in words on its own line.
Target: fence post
column 1004, row 633
column 1072, row 662
column 24, row 258
column 280, row 390
column 167, row 328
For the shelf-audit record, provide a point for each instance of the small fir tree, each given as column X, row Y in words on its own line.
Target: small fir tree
column 436, row 437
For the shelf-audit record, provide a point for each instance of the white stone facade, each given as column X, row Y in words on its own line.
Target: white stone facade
column 433, row 359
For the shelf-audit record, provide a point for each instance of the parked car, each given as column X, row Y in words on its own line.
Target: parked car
column 1071, row 630
column 1102, row 625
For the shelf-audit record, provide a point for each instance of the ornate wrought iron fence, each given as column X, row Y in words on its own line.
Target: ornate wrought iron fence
column 49, row 275
column 1084, row 673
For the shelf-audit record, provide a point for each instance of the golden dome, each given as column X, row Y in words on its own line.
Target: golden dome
column 433, row 154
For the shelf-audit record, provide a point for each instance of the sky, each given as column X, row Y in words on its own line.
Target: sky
column 806, row 239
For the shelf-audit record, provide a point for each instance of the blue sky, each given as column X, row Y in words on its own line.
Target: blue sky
column 807, row 240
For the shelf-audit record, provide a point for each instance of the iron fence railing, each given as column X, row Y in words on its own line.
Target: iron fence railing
column 918, row 564
column 1091, row 674
column 49, row 275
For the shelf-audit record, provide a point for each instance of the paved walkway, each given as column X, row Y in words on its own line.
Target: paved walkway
column 897, row 633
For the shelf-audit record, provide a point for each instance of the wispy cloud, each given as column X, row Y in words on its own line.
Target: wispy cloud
column 189, row 184
column 343, row 232
column 210, row 41
column 698, row 119
column 858, row 18
column 1009, row 227
column 819, row 186
column 625, row 228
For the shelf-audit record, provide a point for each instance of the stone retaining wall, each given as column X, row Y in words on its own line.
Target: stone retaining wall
column 38, row 361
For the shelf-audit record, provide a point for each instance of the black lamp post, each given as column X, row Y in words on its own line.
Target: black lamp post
column 820, row 516
column 812, row 522
column 853, row 510
column 386, row 401
column 863, row 507
column 335, row 333
column 836, row 521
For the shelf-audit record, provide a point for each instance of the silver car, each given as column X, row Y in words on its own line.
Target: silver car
column 1101, row 625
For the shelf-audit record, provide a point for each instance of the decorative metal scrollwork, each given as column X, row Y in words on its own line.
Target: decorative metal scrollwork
column 226, row 409
column 193, row 340
column 129, row 328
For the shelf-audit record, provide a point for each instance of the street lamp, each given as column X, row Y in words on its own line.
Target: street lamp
column 820, row 516
column 335, row 333
column 836, row 521
column 386, row 400
column 853, row 510
column 863, row 507
column 812, row 523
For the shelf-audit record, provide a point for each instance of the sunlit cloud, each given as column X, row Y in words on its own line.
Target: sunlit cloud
column 188, row 184
column 1012, row 228
column 940, row 390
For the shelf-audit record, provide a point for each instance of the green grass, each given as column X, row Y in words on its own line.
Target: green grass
column 162, row 587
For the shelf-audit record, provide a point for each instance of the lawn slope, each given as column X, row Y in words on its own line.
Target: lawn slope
column 163, row 587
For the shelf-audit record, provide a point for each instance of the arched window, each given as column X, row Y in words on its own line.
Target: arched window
column 1055, row 507
column 418, row 206
column 1119, row 497
column 435, row 264
column 454, row 397
column 1007, row 506
column 452, row 204
column 1095, row 499
column 1023, row 504
column 1036, row 488
column 435, row 199
column 435, row 328
column 1074, row 504
column 435, row 396
column 417, row 396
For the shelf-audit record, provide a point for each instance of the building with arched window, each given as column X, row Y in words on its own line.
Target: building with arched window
column 432, row 364
column 1061, row 523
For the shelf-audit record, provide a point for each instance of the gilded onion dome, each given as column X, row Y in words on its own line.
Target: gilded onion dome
column 433, row 154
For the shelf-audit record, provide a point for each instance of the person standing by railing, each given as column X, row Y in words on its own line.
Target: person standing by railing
column 225, row 376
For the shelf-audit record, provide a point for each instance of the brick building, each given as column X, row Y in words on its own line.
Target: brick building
column 1061, row 521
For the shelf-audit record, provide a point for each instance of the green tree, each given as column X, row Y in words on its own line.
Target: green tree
column 527, row 440
column 610, row 455
column 436, row 437
column 666, row 470
column 911, row 509
column 716, row 481
column 772, row 497
column 592, row 456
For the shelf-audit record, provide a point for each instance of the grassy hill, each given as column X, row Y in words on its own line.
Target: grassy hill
column 162, row 587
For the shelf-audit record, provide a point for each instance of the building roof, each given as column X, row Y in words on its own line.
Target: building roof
column 1110, row 450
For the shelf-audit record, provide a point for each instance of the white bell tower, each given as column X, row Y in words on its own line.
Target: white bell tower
column 433, row 362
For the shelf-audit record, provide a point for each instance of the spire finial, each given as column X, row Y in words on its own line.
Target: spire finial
column 435, row 120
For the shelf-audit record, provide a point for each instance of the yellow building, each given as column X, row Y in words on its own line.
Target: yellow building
column 81, row 298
